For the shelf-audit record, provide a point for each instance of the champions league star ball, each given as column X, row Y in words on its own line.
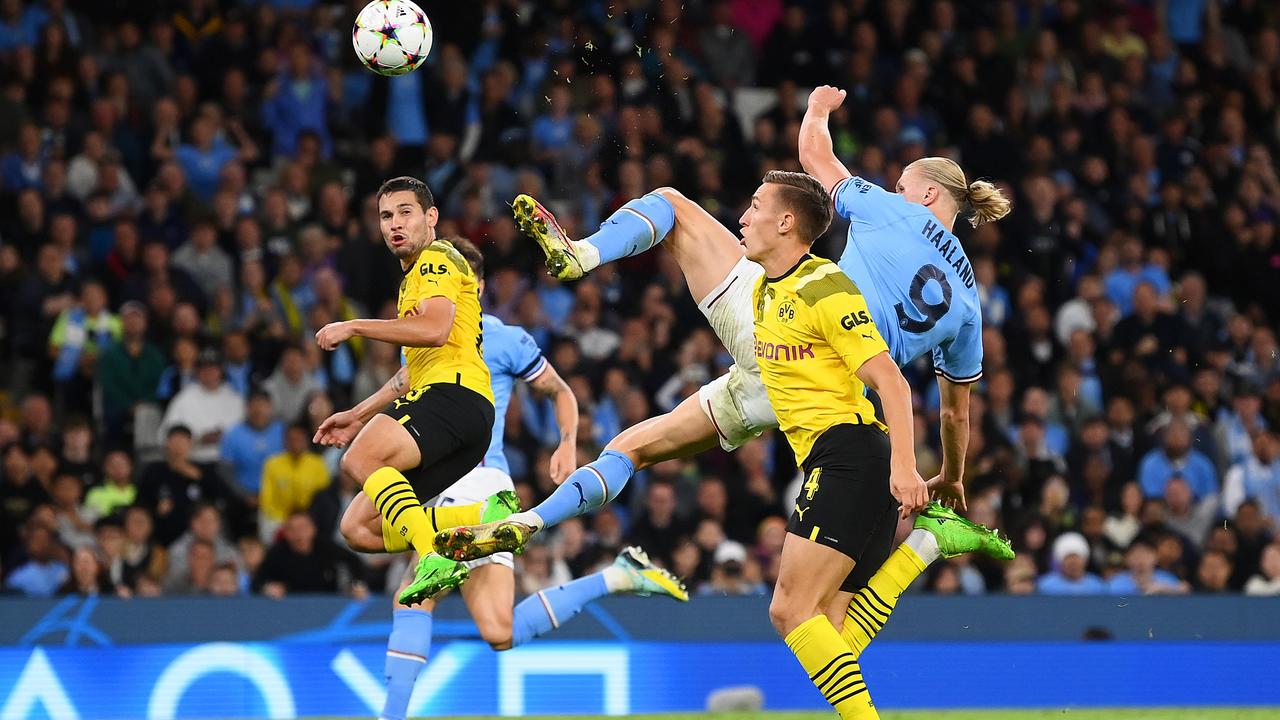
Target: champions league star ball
column 391, row 37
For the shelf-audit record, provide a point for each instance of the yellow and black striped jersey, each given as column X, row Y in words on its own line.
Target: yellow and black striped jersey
column 813, row 331
column 441, row 271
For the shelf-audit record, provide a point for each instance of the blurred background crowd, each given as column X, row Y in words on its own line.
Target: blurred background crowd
column 186, row 196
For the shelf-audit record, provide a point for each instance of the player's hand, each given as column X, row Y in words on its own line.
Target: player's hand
column 562, row 461
column 825, row 99
column 947, row 492
column 909, row 488
column 338, row 430
column 334, row 334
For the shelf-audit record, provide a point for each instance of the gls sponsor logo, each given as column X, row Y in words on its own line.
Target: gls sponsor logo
column 854, row 319
column 777, row 351
column 440, row 269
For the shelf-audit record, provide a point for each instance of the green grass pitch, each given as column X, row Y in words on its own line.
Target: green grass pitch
column 1063, row 714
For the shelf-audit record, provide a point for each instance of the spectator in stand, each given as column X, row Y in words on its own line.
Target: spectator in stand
column 75, row 522
column 44, row 570
column 300, row 562
column 170, row 489
column 208, row 408
column 247, row 445
column 290, row 480
column 1267, row 581
column 206, row 531
column 1176, row 458
column 291, row 384
column 1214, row 572
column 1186, row 515
column 128, row 371
column 202, row 259
column 1070, row 556
column 1141, row 577
column 1255, row 478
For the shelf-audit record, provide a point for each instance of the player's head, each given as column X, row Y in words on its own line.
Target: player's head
column 789, row 209
column 474, row 257
column 407, row 215
column 939, row 184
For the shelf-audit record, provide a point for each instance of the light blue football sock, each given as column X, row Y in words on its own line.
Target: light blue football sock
column 407, row 648
column 634, row 228
column 547, row 610
column 587, row 488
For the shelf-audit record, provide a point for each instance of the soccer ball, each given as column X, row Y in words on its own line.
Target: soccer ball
column 391, row 37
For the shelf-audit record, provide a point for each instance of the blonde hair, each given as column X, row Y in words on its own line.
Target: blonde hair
column 983, row 199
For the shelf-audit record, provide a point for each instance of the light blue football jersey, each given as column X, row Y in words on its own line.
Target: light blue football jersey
column 511, row 355
column 915, row 277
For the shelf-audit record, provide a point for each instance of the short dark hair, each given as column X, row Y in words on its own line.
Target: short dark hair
column 416, row 186
column 468, row 249
column 804, row 195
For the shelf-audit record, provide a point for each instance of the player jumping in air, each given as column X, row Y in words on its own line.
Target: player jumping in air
column 817, row 346
column 901, row 250
column 487, row 493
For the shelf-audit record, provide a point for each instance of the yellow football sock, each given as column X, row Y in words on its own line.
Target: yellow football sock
column 454, row 515
column 400, row 507
column 391, row 540
column 832, row 668
column 870, row 607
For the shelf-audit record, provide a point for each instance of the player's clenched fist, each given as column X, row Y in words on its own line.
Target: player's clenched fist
column 333, row 335
column 825, row 98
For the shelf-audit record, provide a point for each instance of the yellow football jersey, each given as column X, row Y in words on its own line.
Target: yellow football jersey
column 440, row 270
column 813, row 332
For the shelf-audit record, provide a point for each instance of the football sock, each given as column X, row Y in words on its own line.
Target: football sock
column 406, row 656
column 630, row 230
column 832, row 668
column 442, row 518
column 870, row 607
column 586, row 489
column 400, row 507
column 547, row 610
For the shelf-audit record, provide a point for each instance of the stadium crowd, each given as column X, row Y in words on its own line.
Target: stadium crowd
column 186, row 196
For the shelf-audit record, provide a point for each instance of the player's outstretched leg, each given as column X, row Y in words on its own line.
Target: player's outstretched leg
column 634, row 228
column 939, row 532
column 683, row 432
column 586, row 489
column 407, row 650
column 632, row 572
column 436, row 573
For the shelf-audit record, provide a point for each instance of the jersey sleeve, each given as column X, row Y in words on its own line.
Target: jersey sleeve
column 436, row 275
column 863, row 202
column 844, row 322
column 527, row 361
column 960, row 359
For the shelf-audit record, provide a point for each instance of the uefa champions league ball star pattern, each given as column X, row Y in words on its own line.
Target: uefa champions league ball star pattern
column 391, row 37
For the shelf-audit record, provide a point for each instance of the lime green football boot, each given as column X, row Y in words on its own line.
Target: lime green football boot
column 435, row 574
column 957, row 536
column 649, row 579
column 500, row 506
column 472, row 542
column 538, row 223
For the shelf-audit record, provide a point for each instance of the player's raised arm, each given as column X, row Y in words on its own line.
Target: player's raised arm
column 817, row 154
column 565, row 458
column 428, row 326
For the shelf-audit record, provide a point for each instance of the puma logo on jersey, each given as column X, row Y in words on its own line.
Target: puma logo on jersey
column 800, row 512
